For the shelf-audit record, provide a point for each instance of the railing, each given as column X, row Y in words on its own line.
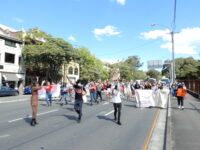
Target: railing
column 193, row 86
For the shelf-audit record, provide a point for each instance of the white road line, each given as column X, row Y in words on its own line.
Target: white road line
column 109, row 113
column 4, row 136
column 105, row 103
column 29, row 116
column 54, row 110
column 13, row 101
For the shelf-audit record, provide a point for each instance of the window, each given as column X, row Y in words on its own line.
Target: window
column 70, row 71
column 76, row 71
column 20, row 59
column 9, row 58
column 10, row 43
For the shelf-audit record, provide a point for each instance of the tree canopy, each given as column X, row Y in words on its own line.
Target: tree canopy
column 185, row 68
column 91, row 68
column 44, row 54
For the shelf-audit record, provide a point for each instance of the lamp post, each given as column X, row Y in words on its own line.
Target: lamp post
column 173, row 76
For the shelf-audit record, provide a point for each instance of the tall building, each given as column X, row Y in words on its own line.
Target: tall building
column 12, row 72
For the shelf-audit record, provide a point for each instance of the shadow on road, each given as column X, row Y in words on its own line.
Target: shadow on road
column 27, row 120
column 70, row 117
column 105, row 118
column 134, row 106
column 70, row 109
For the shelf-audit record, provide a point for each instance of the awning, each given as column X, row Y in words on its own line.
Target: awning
column 10, row 77
column 20, row 76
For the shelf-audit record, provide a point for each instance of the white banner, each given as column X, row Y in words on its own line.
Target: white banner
column 55, row 92
column 148, row 98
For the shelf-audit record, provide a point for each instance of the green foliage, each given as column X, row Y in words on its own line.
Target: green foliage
column 166, row 69
column 91, row 67
column 187, row 68
column 153, row 74
column 44, row 54
column 129, row 69
column 139, row 75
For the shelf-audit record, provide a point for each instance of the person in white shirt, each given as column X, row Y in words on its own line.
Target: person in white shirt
column 117, row 103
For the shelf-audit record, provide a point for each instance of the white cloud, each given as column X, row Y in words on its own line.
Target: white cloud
column 186, row 41
column 72, row 38
column 121, row 2
column 18, row 20
column 106, row 31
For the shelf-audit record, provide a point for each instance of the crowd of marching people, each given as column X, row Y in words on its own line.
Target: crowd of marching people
column 96, row 92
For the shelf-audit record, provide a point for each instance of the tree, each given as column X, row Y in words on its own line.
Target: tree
column 187, row 68
column 153, row 73
column 129, row 68
column 44, row 54
column 91, row 67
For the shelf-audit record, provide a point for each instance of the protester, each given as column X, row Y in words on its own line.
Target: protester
column 117, row 104
column 137, row 85
column 79, row 92
column 48, row 89
column 34, row 102
column 181, row 92
column 99, row 89
column 93, row 92
column 64, row 93
column 108, row 91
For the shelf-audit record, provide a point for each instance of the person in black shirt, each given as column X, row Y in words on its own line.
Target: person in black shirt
column 79, row 92
column 137, row 85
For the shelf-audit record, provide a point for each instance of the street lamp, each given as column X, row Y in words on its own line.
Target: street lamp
column 172, row 41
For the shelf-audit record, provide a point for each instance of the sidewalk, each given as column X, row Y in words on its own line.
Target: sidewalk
column 185, row 124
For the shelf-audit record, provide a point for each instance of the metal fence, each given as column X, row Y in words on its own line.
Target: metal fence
column 193, row 86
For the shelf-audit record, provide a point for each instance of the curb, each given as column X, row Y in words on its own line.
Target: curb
column 168, row 128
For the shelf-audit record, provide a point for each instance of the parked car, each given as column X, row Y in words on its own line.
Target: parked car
column 27, row 90
column 6, row 91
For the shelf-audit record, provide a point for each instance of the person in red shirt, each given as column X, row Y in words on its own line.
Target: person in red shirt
column 48, row 94
column 93, row 92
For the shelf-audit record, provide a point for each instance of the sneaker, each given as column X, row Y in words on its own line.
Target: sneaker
column 119, row 123
column 78, row 120
column 32, row 122
column 61, row 104
column 182, row 107
column 179, row 107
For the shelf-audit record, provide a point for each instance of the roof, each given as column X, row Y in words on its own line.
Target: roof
column 11, row 39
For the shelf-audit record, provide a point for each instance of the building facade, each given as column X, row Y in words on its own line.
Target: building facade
column 12, row 72
column 70, row 71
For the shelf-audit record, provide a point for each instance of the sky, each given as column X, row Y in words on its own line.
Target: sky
column 113, row 29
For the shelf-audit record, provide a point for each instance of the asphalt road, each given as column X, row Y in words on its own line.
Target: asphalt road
column 186, row 124
column 59, row 130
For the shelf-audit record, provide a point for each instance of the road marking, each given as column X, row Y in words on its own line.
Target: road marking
column 54, row 110
column 29, row 116
column 13, row 101
column 148, row 138
column 109, row 113
column 4, row 136
column 105, row 103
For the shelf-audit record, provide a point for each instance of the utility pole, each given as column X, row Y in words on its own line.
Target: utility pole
column 173, row 60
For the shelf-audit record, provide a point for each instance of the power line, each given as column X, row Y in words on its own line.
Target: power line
column 129, row 49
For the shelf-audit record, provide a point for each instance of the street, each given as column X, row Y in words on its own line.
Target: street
column 185, row 124
column 59, row 130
